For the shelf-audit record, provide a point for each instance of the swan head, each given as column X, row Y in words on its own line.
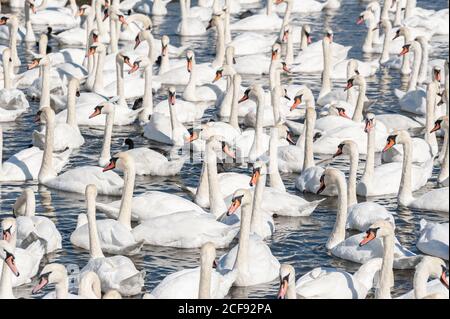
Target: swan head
column 140, row 62
column 379, row 229
column 4, row 20
column 252, row 93
column 434, row 267
column 84, row 10
column 329, row 35
column 190, row 60
column 240, row 198
column 352, row 68
column 121, row 160
column 402, row 32
column 172, row 92
column 7, row 255
column 32, row 5
column 441, row 122
column 373, row 6
column 436, row 73
column 219, row 75
column 331, row 176
column 215, row 20
column 397, row 137
column 111, row 165
column 38, row 60
column 45, row 115
column 384, row 23
column 105, row 107
column 306, row 30
column 259, row 168
column 370, row 122
column 347, row 147
column 95, row 47
column 123, row 58
column 276, row 51
column 337, row 110
column 356, row 79
column 366, row 16
column 280, row 91
column 286, row 30
column 20, row 206
column 52, row 273
column 9, row 228
column 93, row 36
column 165, row 40
column 303, row 94
column 287, row 278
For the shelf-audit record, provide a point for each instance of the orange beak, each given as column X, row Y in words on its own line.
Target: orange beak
column 338, row 152
column 389, row 144
column 95, row 113
column 110, row 166
column 437, row 76
column 274, row 55
column 234, row 206
column 437, row 127
column 33, row 64
column 255, row 178
column 349, row 85
column 343, row 114
column 6, row 236
column 297, row 102
column 360, row 20
column 444, row 279
column 122, row 20
column 285, row 36
column 172, row 99
column 309, row 39
column 217, row 77
column 192, row 137
column 80, row 12
column 369, row 237
column 164, row 50
column 404, row 51
column 244, row 98
column 368, row 126
column 33, row 8
column 90, row 52
column 42, row 283
column 229, row 152
column 283, row 290
column 322, row 186
column 285, row 68
column 12, row 265
column 134, row 68
column 189, row 65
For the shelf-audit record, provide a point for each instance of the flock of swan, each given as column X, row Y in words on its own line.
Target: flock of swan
column 108, row 72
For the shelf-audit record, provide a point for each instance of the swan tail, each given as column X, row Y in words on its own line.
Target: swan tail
column 111, row 212
column 309, row 208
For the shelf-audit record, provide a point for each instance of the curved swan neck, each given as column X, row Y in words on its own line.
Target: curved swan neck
column 338, row 234
column 311, row 115
column 127, row 193
column 95, row 250
column 216, row 202
column 366, row 273
column 30, row 209
column 45, row 90
column 47, row 171
column 98, row 17
column 430, row 115
column 406, row 68
column 275, row 178
column 368, row 42
column 227, row 28
column 289, row 59
column 257, row 142
column 385, row 11
column 62, row 288
column 148, row 94
column 234, row 115
column 424, row 61
column 326, row 73
column 241, row 262
column 358, row 113
column 71, row 99
column 420, row 281
column 386, row 274
column 105, row 155
column 405, row 191
column 387, row 41
column 351, row 190
column 409, row 9
column 256, row 220
column 412, row 85
column 220, row 44
column 120, row 84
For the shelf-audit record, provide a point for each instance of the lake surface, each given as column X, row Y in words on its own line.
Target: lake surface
column 297, row 241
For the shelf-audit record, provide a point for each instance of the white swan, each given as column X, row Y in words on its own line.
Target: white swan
column 429, row 267
column 203, row 282
column 433, row 239
column 60, row 18
column 116, row 272
column 13, row 25
column 328, row 283
column 268, row 20
column 349, row 249
column 26, row 260
column 251, row 258
column 8, row 267
column 189, row 26
column 29, row 225
column 67, row 135
column 115, row 235
column 75, row 179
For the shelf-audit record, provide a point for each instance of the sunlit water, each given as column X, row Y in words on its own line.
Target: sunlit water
column 297, row 241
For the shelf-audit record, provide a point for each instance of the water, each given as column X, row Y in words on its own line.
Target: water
column 297, row 241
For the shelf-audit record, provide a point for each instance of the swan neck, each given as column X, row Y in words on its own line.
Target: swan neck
column 412, row 85
column 127, row 194
column 120, row 84
column 234, row 115
column 47, row 171
column 275, row 178
column 6, row 290
column 71, row 112
column 326, row 73
column 206, row 270
column 148, row 94
column 430, row 115
column 351, row 190
column 386, row 274
column 6, row 72
column 370, row 158
column 405, row 190
column 338, row 234
column 105, row 155
column 308, row 160
column 45, row 93
column 420, row 282
column 358, row 113
column 220, row 45
column 217, row 204
column 62, row 288
column 98, row 85
column 241, row 263
column 95, row 250
column 386, row 43
column 256, row 219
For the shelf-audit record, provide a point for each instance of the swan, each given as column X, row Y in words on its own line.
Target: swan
column 115, row 235
column 58, row 18
column 155, row 7
column 191, row 229
column 25, row 33
column 189, row 26
column 117, row 272
column 78, row 36
column 203, row 282
column 268, row 20
column 251, row 258
column 13, row 25
column 8, row 267
column 360, row 215
column 150, row 162
column 373, row 181
column 429, row 267
column 27, row 260
column 442, row 122
column 435, row 200
column 13, row 102
column 328, row 283
column 433, row 239
column 67, row 135
column 29, row 225
column 75, row 179
column 24, row 165
column 349, row 248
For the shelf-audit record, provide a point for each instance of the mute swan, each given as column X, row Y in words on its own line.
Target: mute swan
column 423, row 289
column 201, row 227
column 58, row 18
column 116, row 272
column 115, row 235
column 435, row 200
column 360, row 215
column 8, row 267
column 203, row 282
column 67, row 135
column 328, row 283
column 13, row 25
column 348, row 248
column 433, row 239
column 13, row 102
column 78, row 36
column 189, row 26
column 263, row 21
column 251, row 258
column 155, row 7
column 373, row 182
column 26, row 259
column 75, row 179
column 28, row 224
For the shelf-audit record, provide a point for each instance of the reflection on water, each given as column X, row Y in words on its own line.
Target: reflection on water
column 298, row 241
